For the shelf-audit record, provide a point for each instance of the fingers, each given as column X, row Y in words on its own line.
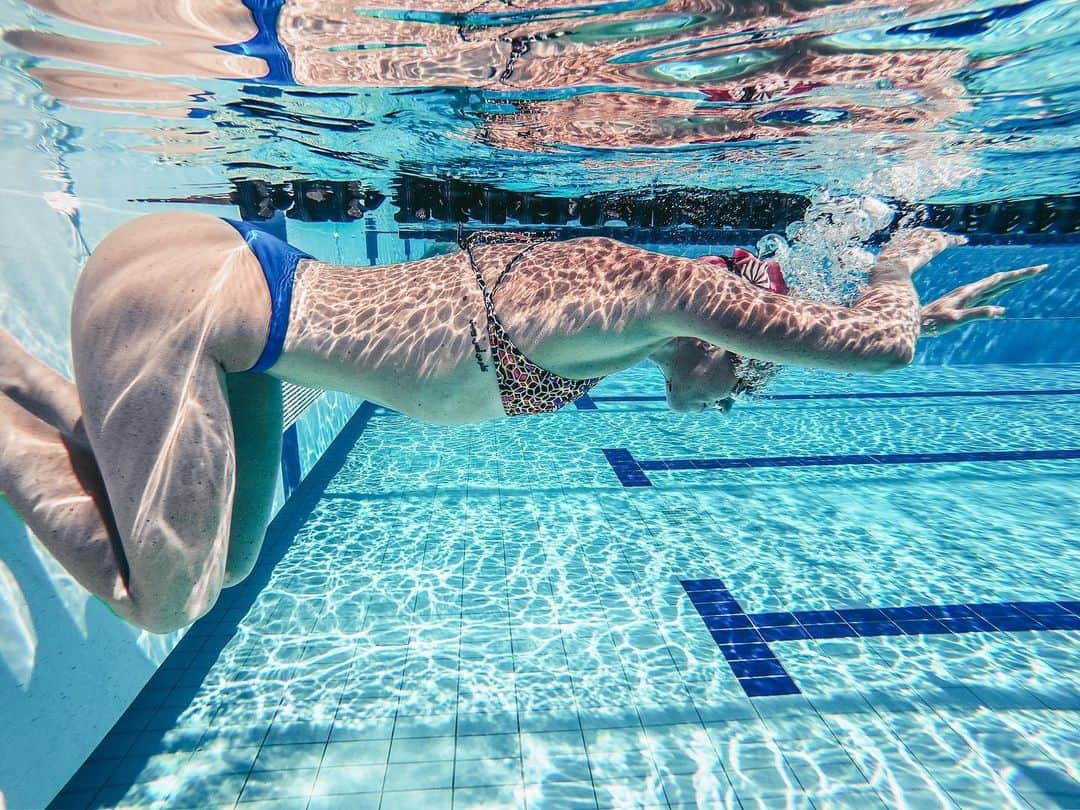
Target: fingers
column 1016, row 276
column 989, row 288
column 980, row 313
column 991, row 295
column 971, row 302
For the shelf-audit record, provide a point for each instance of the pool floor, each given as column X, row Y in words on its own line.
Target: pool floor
column 862, row 593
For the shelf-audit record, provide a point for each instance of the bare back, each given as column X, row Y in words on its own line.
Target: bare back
column 413, row 336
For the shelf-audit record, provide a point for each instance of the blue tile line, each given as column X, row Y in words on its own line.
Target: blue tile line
column 1004, row 392
column 631, row 472
column 627, row 469
column 744, row 638
column 585, row 403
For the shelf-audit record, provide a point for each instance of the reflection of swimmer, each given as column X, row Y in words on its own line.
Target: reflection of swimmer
column 741, row 53
column 677, row 44
column 768, row 106
column 151, row 477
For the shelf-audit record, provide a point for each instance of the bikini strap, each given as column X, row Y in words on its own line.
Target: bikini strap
column 485, row 238
column 467, row 243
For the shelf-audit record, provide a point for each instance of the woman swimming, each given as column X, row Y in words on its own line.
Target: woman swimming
column 151, row 477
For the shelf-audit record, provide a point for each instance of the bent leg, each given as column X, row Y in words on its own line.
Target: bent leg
column 50, row 476
column 140, row 512
column 39, row 389
column 164, row 444
column 163, row 307
column 53, row 483
column 255, row 406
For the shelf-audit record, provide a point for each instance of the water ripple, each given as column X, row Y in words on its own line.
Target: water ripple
column 781, row 95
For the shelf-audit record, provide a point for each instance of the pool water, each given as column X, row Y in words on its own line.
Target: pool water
column 855, row 592
column 496, row 616
column 967, row 100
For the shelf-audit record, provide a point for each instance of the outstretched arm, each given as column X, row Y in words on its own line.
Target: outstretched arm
column 877, row 333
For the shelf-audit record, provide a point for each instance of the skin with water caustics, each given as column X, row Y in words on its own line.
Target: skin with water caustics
column 151, row 477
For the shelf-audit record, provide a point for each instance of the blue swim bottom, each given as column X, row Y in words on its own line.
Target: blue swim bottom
column 278, row 260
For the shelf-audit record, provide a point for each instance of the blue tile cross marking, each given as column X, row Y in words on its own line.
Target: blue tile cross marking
column 632, row 472
column 744, row 637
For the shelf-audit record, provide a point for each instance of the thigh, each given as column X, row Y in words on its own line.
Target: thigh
column 167, row 458
column 156, row 414
column 255, row 407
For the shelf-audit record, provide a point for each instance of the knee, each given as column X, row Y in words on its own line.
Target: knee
column 159, row 624
column 241, row 560
column 162, row 618
column 237, row 575
column 162, row 623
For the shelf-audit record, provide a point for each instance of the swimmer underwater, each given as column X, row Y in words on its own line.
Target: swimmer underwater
column 151, row 477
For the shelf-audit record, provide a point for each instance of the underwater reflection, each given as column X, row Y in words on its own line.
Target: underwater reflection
column 537, row 77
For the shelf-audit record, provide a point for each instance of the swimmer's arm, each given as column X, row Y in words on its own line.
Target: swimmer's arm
column 877, row 333
column 971, row 302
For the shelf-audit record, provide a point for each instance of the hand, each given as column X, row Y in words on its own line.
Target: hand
column 912, row 249
column 968, row 303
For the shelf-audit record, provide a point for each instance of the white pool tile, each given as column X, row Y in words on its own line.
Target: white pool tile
column 499, row 609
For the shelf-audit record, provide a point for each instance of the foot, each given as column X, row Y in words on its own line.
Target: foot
column 915, row 248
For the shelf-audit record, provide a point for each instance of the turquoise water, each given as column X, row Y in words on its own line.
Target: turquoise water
column 506, row 615
column 484, row 616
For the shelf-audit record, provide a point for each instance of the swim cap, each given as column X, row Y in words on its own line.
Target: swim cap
column 764, row 274
column 754, row 375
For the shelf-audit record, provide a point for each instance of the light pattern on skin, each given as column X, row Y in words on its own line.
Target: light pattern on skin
column 144, row 512
column 395, row 318
column 753, row 375
column 580, row 309
column 416, row 317
column 524, row 387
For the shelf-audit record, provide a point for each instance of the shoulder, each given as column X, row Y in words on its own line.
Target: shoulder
column 600, row 244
